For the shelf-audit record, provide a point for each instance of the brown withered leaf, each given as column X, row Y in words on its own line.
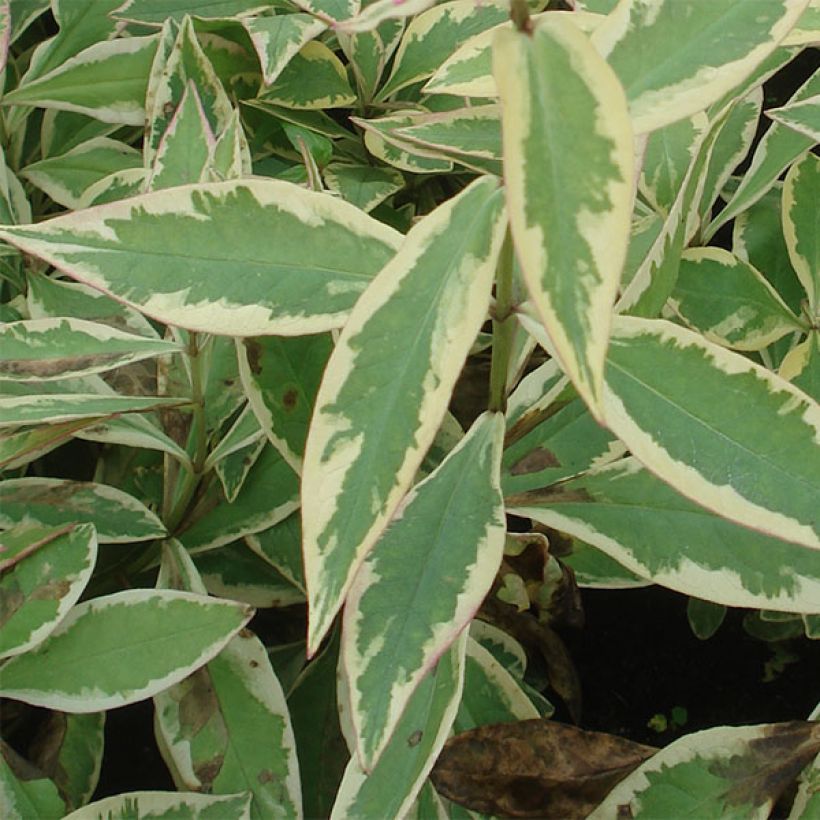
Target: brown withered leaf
column 534, row 768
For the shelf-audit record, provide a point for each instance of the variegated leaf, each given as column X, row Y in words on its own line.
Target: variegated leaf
column 237, row 258
column 802, row 366
column 777, row 149
column 20, row 447
column 382, row 11
column 647, row 527
column 365, row 186
column 700, row 417
column 34, row 795
column 376, row 415
column 155, row 12
column 801, row 225
column 281, row 547
column 75, row 85
column 803, row 117
column 474, row 131
column 331, row 10
column 729, row 301
column 381, row 141
column 674, row 60
column 730, row 771
column 390, row 788
column 807, row 30
column 118, row 518
column 45, row 349
column 161, row 805
column 44, row 572
column 122, row 648
column 401, row 617
column 368, row 51
column 569, row 220
column 434, row 34
column 67, row 176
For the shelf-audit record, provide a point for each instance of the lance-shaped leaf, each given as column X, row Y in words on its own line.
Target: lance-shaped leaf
column 803, row 117
column 729, row 301
column 66, row 177
column 777, row 149
column 44, row 571
column 234, row 258
column 568, row 168
column 269, row 495
column 45, row 349
column 802, row 366
column 226, row 728
column 402, row 615
column 433, row 35
column 21, row 447
column 335, row 10
column 281, row 547
column 473, row 131
column 121, row 648
column 700, row 417
column 244, row 431
column 155, row 12
column 235, row 467
column 390, row 788
column 25, row 791
column 376, row 415
column 278, row 39
column 119, row 518
column 673, row 61
column 366, row 186
column 659, row 534
column 730, row 771
column 281, row 376
column 161, row 805
column 107, row 81
column 369, row 51
column 381, row 141
column 801, row 224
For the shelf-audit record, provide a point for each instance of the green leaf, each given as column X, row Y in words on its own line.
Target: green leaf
column 67, row 176
column 281, row 547
column 236, row 258
column 365, row 186
column 472, row 131
column 594, row 569
column 705, row 617
column 314, row 78
column 401, row 615
column 21, row 447
column 47, row 349
column 801, row 224
column 674, row 61
column 118, row 517
column 243, row 432
column 269, row 495
column 803, row 117
column 729, row 302
column 647, row 527
column 25, row 792
column 802, row 366
column 281, row 377
column 44, row 572
column 369, row 51
column 163, row 805
column 278, row 39
column 390, row 788
column 226, row 728
column 122, row 648
column 361, row 456
column 568, row 161
column 491, row 694
column 731, row 772
column 78, row 84
column 154, row 12
column 432, row 37
column 777, row 149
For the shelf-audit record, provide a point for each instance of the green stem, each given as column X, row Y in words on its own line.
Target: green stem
column 503, row 327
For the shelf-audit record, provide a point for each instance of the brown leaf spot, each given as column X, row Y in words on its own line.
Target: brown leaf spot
column 198, row 705
column 550, row 495
column 536, row 460
column 207, row 771
column 265, row 776
column 253, row 351
column 415, row 738
column 49, row 367
column 290, row 400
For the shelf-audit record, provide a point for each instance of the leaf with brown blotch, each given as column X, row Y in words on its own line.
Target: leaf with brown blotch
column 534, row 768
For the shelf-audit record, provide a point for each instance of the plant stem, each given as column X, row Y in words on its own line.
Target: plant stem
column 520, row 15
column 503, row 327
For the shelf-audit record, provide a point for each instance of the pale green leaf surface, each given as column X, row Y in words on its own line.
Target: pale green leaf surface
column 235, row 258
column 116, row 186
column 674, row 60
column 402, row 615
column 334, row 10
column 235, row 467
column 802, row 366
column 722, row 772
column 244, row 431
column 381, row 141
column 42, row 586
column 473, row 131
column 728, row 301
column 269, row 495
column 122, row 648
column 376, row 415
column 281, row 547
column 701, row 418
column 164, row 805
column 107, row 81
column 45, row 349
column 595, row 569
column 568, row 169
column 118, row 517
column 653, row 531
column 67, row 176
column 801, row 225
column 365, row 186
column 369, row 51
column 25, row 792
column 154, row 12
column 382, row 11
column 803, row 117
column 390, row 788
